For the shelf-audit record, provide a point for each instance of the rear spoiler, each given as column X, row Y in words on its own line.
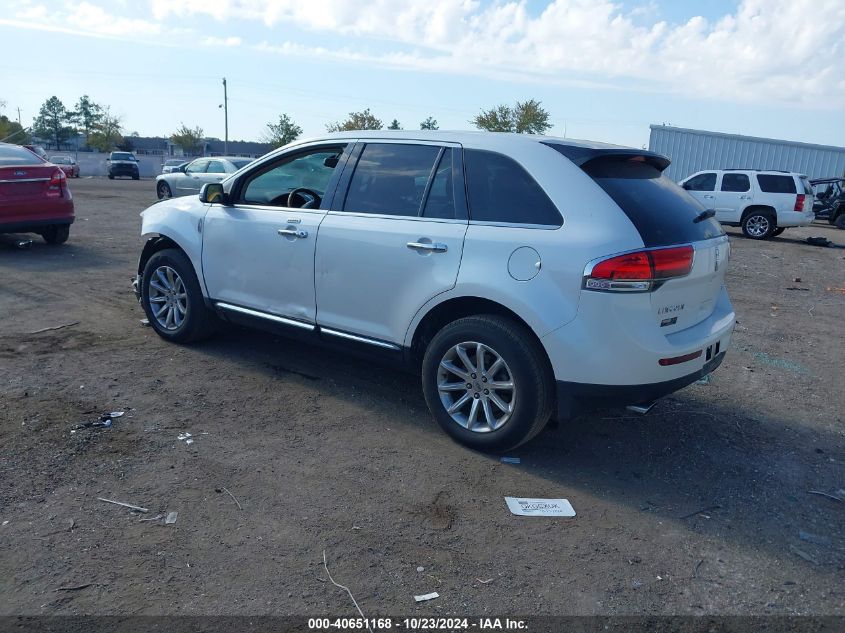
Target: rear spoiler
column 583, row 155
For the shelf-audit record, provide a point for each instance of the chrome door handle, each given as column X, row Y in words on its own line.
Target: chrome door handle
column 437, row 247
column 709, row 196
column 293, row 233
column 745, row 197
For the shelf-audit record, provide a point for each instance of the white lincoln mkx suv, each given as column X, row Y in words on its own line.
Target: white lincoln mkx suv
column 521, row 276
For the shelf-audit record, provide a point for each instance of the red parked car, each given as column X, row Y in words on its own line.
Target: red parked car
column 68, row 165
column 34, row 197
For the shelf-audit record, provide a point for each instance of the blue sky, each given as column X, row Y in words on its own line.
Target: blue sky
column 604, row 70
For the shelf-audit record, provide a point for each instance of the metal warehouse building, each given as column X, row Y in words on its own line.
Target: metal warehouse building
column 695, row 150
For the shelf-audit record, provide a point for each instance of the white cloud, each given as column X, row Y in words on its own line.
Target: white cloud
column 769, row 51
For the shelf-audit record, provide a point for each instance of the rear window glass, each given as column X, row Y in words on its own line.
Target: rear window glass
column 441, row 196
column 500, row 190
column 735, row 182
column 661, row 211
column 808, row 189
column 240, row 163
column 776, row 184
column 15, row 155
column 391, row 179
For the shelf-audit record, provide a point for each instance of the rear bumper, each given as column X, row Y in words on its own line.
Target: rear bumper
column 792, row 218
column 574, row 398
column 30, row 217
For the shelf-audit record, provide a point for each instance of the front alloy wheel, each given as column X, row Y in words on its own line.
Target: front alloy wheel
column 476, row 387
column 168, row 298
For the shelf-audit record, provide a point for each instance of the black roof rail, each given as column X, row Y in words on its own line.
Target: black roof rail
column 779, row 171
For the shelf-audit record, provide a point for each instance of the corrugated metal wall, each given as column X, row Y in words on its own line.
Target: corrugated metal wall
column 695, row 150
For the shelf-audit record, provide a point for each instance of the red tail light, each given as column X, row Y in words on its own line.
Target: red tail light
column 799, row 202
column 55, row 188
column 637, row 271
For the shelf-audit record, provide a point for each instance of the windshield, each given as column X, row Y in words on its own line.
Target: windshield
column 16, row 155
column 122, row 156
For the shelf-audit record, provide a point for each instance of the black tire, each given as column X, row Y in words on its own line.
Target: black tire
column 778, row 231
column 56, row 233
column 758, row 224
column 839, row 222
column 530, row 374
column 111, row 176
column 136, row 177
column 163, row 190
column 198, row 321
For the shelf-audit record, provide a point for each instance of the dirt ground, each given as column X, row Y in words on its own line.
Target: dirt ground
column 702, row 507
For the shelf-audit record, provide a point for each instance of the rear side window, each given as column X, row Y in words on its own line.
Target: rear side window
column 216, row 167
column 702, row 182
column 15, row 155
column 500, row 190
column 662, row 212
column 735, row 182
column 776, row 184
column 391, row 179
column 441, row 196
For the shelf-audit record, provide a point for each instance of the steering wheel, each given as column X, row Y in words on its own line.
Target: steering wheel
column 304, row 193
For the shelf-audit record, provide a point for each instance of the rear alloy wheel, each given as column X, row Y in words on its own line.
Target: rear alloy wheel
column 56, row 233
column 163, row 190
column 486, row 381
column 172, row 299
column 758, row 225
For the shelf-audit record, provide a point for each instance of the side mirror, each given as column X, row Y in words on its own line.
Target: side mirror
column 686, row 186
column 183, row 168
column 212, row 193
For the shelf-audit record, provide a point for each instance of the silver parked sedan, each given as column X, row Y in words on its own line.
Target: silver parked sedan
column 190, row 178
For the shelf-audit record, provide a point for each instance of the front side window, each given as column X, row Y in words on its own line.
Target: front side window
column 197, row 167
column 702, row 182
column 500, row 190
column 391, row 179
column 308, row 172
column 771, row 183
column 735, row 182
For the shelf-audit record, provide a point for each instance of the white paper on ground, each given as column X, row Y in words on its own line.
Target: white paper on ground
column 540, row 507
column 428, row 596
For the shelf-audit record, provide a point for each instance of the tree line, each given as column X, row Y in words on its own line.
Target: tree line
column 103, row 130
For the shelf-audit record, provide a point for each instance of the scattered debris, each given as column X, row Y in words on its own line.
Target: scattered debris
column 803, row 554
column 233, row 498
column 55, row 327
column 155, row 518
column 798, row 288
column 697, row 565
column 427, row 596
column 813, row 538
column 144, row 322
column 183, row 436
column 818, row 241
column 22, row 244
column 797, row 280
column 116, row 414
column 485, row 582
column 781, row 363
column 125, row 505
column 511, row 460
column 823, row 494
column 540, row 507
column 76, row 588
column 326, row 567
column 692, row 514
column 420, row 569
column 839, row 290
column 704, row 380
column 171, row 518
column 5, row 523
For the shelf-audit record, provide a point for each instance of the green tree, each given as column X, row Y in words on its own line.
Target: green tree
column 429, row 124
column 11, row 131
column 357, row 121
column 188, row 139
column 87, row 115
column 51, row 122
column 106, row 134
column 281, row 133
column 526, row 117
column 394, row 125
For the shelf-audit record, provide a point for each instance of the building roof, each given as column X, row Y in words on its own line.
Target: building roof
column 753, row 139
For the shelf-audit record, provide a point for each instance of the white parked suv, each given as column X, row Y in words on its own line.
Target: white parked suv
column 763, row 203
column 522, row 276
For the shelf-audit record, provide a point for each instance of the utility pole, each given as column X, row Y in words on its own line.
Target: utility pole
column 225, row 118
column 19, row 116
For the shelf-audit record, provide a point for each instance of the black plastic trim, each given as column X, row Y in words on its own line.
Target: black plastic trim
column 32, row 225
column 574, row 398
